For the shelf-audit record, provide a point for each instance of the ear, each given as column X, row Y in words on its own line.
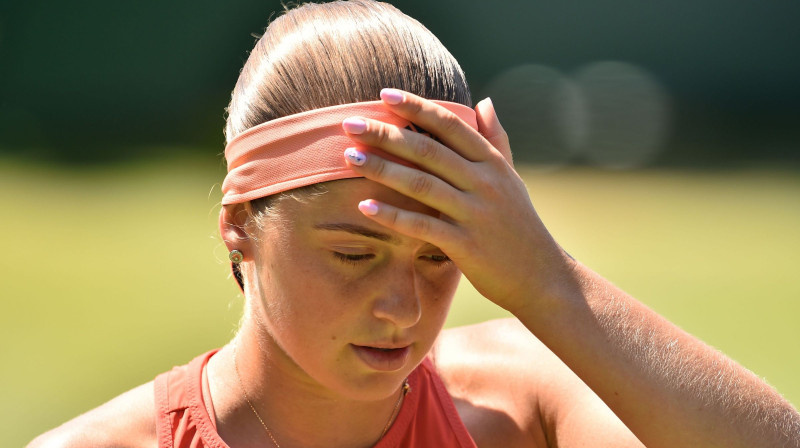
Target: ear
column 232, row 221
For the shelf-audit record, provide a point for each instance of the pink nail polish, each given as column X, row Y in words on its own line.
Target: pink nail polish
column 354, row 125
column 392, row 96
column 355, row 156
column 368, row 207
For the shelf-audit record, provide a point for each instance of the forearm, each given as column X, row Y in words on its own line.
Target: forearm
column 668, row 387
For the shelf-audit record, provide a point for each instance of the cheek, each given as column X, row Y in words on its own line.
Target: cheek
column 439, row 292
column 310, row 295
column 445, row 281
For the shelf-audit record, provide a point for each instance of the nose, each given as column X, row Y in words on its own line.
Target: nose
column 398, row 301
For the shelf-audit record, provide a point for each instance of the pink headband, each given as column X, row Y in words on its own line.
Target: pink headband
column 303, row 149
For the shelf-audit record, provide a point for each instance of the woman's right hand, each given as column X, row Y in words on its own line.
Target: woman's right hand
column 487, row 224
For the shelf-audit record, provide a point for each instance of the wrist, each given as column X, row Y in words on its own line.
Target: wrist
column 557, row 280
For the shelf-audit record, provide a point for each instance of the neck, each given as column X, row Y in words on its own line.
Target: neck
column 297, row 410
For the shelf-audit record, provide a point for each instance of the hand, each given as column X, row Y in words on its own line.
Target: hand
column 488, row 225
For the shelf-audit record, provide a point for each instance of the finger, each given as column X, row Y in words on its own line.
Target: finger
column 491, row 129
column 442, row 123
column 416, row 148
column 415, row 225
column 424, row 187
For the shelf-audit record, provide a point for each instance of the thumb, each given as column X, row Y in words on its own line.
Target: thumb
column 491, row 129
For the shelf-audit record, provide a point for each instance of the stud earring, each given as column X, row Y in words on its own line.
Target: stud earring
column 235, row 256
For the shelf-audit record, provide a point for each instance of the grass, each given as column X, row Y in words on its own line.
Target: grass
column 112, row 276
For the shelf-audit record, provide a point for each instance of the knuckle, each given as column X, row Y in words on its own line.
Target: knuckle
column 483, row 183
column 381, row 134
column 497, row 160
column 392, row 217
column 427, row 149
column 420, row 226
column 379, row 167
column 421, row 184
column 503, row 136
column 502, row 144
column 450, row 123
column 415, row 107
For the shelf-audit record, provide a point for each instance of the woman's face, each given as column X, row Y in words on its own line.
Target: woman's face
column 352, row 306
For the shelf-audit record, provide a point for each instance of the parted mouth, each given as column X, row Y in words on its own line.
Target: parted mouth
column 383, row 347
column 384, row 357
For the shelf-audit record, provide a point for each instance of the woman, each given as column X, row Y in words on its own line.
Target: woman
column 349, row 223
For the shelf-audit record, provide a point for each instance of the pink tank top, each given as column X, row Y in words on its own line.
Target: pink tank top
column 427, row 417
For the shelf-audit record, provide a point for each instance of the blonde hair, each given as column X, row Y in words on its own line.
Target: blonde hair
column 319, row 55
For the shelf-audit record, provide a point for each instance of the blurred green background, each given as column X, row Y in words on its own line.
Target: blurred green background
column 660, row 143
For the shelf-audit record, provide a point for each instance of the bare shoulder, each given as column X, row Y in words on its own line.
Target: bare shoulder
column 126, row 421
column 493, row 371
column 480, row 354
column 500, row 337
column 501, row 376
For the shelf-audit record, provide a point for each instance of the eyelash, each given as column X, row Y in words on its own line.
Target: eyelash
column 440, row 260
column 355, row 259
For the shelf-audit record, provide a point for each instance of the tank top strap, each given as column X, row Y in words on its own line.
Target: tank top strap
column 181, row 417
column 446, row 401
column 428, row 416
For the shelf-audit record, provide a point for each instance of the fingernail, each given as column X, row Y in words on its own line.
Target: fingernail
column 355, row 156
column 354, row 125
column 392, row 96
column 368, row 207
column 487, row 101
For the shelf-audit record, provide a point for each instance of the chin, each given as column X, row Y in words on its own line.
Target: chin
column 378, row 388
column 374, row 385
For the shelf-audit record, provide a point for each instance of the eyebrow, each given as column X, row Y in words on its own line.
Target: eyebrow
column 358, row 230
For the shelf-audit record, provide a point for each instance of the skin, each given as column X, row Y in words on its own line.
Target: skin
column 581, row 364
column 362, row 285
column 668, row 388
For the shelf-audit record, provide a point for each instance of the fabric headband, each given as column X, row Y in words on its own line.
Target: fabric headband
column 304, row 149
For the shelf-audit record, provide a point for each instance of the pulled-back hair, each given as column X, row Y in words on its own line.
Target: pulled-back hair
column 319, row 55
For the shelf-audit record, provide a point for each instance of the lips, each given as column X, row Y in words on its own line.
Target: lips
column 385, row 359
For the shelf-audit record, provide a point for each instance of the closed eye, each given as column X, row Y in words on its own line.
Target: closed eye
column 439, row 259
column 353, row 259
